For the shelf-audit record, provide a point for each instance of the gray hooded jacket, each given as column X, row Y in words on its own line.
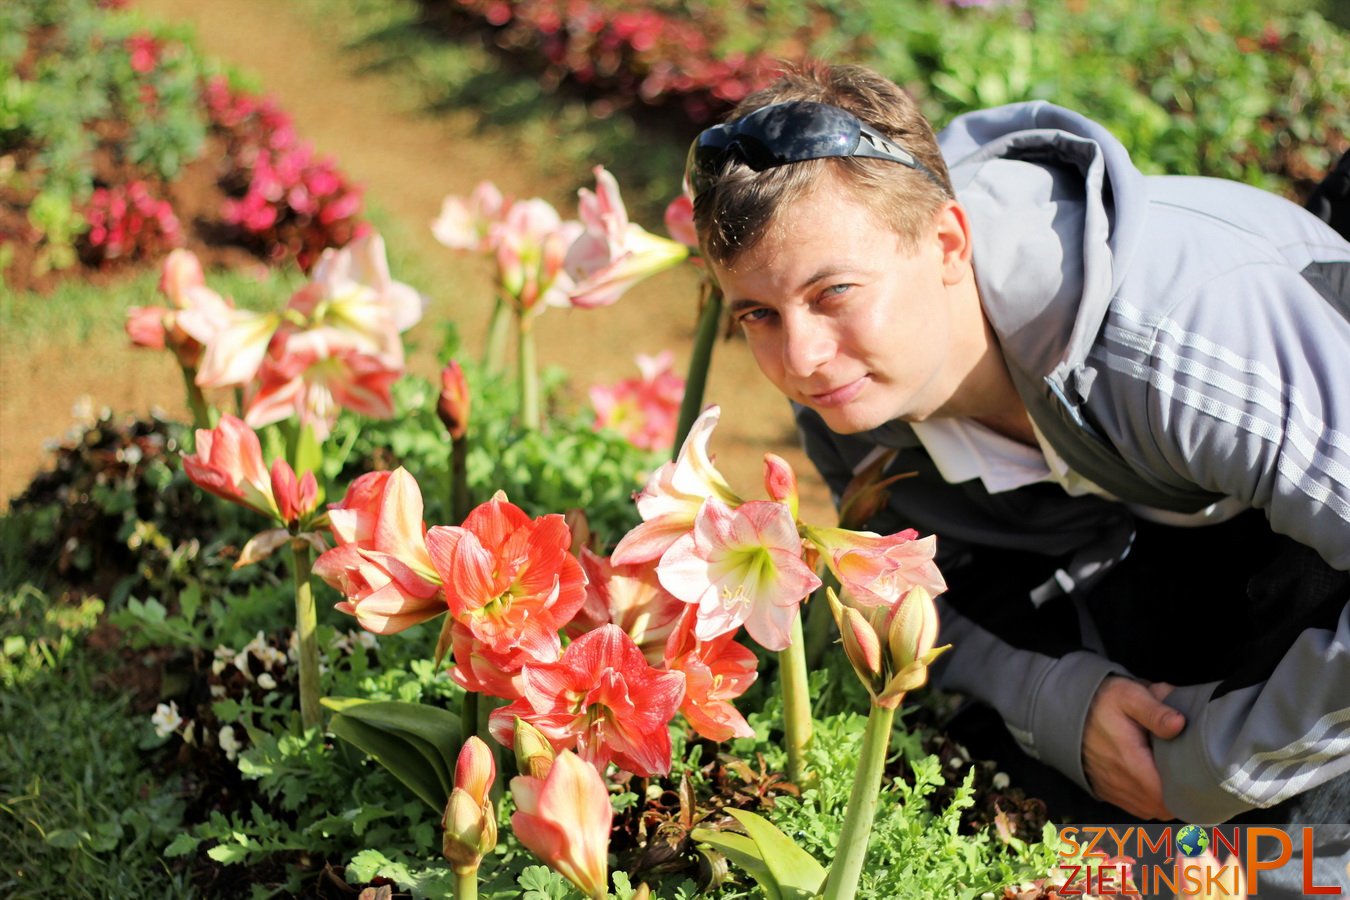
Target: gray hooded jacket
column 1177, row 340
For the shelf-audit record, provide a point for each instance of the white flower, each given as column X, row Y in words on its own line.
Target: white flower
column 166, row 719
column 366, row 639
column 267, row 682
column 1001, row 781
column 217, row 691
column 228, row 742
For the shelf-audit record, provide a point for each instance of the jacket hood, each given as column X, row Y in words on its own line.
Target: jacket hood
column 1056, row 209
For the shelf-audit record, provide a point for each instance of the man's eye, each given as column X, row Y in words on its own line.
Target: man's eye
column 835, row 290
column 754, row 315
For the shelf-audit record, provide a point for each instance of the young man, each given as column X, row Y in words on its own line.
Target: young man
column 1127, row 400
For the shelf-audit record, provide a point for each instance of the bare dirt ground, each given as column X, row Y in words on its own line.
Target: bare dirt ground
column 407, row 161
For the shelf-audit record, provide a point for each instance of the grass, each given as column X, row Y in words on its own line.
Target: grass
column 79, row 816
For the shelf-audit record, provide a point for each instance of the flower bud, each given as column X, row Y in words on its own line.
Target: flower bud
column 534, row 753
column 475, row 769
column 469, row 822
column 454, row 403
column 781, row 482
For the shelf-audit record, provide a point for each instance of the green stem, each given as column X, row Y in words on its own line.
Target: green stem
column 306, row 623
column 466, row 884
column 499, row 330
column 842, row 884
column 459, row 479
column 201, row 415
column 796, row 703
column 468, row 716
column 694, row 385
column 528, row 376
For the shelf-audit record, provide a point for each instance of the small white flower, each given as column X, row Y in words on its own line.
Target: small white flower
column 217, row 666
column 166, row 719
column 1001, row 781
column 217, row 691
column 267, row 682
column 366, row 639
column 228, row 742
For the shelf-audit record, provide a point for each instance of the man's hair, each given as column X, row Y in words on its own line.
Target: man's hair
column 736, row 213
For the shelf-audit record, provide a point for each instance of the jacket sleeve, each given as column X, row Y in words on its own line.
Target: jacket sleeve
column 1249, row 396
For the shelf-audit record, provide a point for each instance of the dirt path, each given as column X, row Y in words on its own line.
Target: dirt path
column 407, row 162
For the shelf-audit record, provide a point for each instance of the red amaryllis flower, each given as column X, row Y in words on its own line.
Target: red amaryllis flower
column 381, row 563
column 603, row 699
column 630, row 597
column 480, row 669
column 715, row 673
column 509, row 579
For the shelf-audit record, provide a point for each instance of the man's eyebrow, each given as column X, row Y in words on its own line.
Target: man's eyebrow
column 742, row 304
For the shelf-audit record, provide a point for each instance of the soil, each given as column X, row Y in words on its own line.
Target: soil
column 407, row 160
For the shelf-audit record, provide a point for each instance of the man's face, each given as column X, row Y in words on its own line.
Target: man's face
column 844, row 319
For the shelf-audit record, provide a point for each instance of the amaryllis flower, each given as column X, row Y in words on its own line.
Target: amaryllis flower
column 889, row 645
column 468, row 223
column 875, row 569
column 509, row 579
column 741, row 567
column 630, row 597
column 229, row 464
column 381, row 564
column 674, row 495
column 613, row 254
column 679, row 219
column 644, row 410
column 235, row 345
column 482, row 670
column 715, row 673
column 565, row 820
column 470, row 823
column 602, row 698
column 193, row 319
column 531, row 243
column 310, row 375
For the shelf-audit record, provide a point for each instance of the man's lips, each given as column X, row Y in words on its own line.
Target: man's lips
column 838, row 396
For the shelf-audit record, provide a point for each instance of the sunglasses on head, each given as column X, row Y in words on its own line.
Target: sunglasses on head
column 789, row 132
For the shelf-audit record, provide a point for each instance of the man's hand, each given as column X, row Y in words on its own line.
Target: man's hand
column 1117, row 758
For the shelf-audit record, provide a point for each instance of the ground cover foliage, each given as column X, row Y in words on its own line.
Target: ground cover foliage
column 117, row 584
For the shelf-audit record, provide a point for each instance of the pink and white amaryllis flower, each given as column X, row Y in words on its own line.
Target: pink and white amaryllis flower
column 381, row 564
column 741, row 566
column 715, row 673
column 565, row 820
column 679, row 219
column 630, row 597
column 229, row 464
column 511, row 580
column 602, row 698
column 193, row 319
column 351, row 291
column 468, row 223
column 644, row 410
column 235, row 346
column 311, row 374
column 531, row 243
column 874, row 569
column 674, row 495
column 613, row 253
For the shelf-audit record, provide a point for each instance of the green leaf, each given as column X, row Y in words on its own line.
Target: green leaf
column 782, row 869
column 432, row 731
column 228, row 854
column 742, row 851
column 182, row 845
column 396, row 754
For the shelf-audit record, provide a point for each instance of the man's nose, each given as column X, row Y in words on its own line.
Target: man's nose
column 808, row 345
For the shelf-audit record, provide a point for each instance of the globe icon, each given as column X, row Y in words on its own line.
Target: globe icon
column 1192, row 841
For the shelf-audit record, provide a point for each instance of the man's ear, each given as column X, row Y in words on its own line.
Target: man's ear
column 952, row 230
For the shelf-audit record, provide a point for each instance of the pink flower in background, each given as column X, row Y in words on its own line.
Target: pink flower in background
column 741, row 567
column 509, row 579
column 875, row 569
column 310, row 375
column 613, row 254
column 229, row 464
column 469, row 223
column 674, row 495
column 381, row 564
column 236, row 344
column 144, row 51
column 645, row 410
column 679, row 219
column 630, row 597
column 565, row 820
column 715, row 673
column 602, row 698
column 531, row 243
column 455, row 401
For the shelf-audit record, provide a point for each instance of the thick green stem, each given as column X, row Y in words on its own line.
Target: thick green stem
column 466, row 884
column 306, row 623
column 468, row 716
column 201, row 414
column 796, row 703
column 694, row 385
column 498, row 333
column 528, row 376
column 459, row 479
column 842, row 883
